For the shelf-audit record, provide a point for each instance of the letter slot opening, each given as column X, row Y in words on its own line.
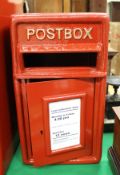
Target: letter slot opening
column 33, row 60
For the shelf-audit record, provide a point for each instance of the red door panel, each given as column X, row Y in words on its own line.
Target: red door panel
column 60, row 114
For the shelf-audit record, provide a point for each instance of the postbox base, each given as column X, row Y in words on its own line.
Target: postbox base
column 81, row 160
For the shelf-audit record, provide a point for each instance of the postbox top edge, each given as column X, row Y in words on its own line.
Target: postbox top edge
column 65, row 17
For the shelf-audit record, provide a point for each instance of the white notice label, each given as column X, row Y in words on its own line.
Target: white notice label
column 64, row 118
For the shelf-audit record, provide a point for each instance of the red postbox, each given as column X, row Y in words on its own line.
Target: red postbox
column 59, row 69
column 8, row 124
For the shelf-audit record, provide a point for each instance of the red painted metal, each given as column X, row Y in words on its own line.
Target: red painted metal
column 8, row 124
column 59, row 58
column 38, row 100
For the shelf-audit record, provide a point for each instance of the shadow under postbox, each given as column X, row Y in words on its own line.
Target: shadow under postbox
column 59, row 70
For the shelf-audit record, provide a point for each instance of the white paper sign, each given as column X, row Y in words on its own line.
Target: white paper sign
column 64, row 119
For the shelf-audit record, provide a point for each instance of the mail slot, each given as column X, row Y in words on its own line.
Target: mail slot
column 59, row 70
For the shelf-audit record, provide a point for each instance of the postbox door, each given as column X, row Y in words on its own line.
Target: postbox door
column 61, row 119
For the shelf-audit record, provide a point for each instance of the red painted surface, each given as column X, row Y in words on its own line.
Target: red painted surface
column 59, row 57
column 8, row 124
column 38, row 100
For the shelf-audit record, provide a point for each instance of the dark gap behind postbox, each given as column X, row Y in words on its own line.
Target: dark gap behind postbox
column 60, row 59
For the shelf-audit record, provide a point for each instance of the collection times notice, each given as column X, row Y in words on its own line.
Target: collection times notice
column 64, row 119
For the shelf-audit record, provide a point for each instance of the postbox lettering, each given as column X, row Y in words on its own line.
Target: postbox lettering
column 30, row 32
column 60, row 33
column 87, row 33
column 68, row 34
column 40, row 34
column 50, row 33
column 77, row 33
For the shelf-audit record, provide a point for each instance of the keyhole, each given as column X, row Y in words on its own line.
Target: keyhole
column 41, row 132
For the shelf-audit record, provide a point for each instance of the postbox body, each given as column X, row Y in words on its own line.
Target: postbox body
column 8, row 124
column 59, row 70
